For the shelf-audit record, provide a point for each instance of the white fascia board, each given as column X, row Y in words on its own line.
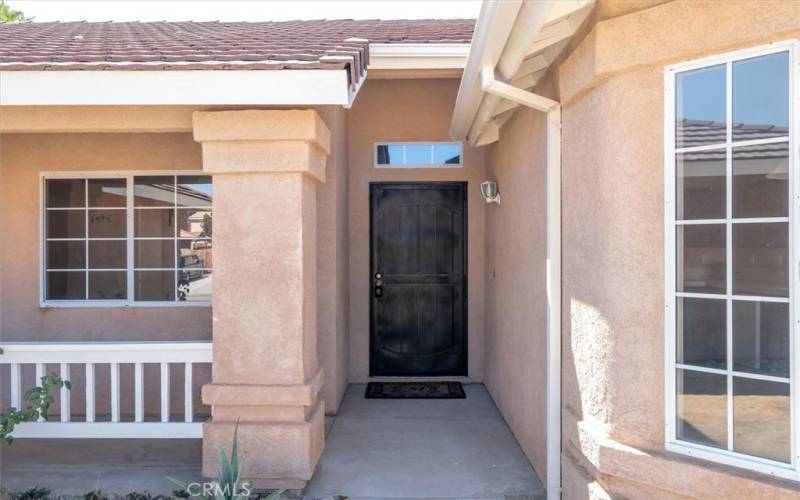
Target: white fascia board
column 418, row 55
column 492, row 30
column 204, row 87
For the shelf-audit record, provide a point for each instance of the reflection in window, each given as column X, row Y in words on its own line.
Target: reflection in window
column 418, row 155
column 701, row 188
column 701, row 332
column 761, row 97
column 172, row 238
column 87, row 238
column 761, row 418
column 85, row 235
column 731, row 230
column 702, row 408
column 700, row 107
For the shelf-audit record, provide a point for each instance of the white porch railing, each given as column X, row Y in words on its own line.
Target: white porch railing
column 187, row 354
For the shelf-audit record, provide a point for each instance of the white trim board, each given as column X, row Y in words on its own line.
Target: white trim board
column 418, row 55
column 228, row 87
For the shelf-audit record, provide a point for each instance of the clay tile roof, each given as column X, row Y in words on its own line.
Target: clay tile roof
column 322, row 44
column 697, row 133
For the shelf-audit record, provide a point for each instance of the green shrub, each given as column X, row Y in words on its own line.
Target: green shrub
column 38, row 401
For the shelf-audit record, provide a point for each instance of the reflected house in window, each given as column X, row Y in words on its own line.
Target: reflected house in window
column 732, row 332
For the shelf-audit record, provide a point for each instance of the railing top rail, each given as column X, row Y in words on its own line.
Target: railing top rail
column 106, row 352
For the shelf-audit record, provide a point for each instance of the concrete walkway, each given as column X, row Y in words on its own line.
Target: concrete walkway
column 375, row 449
column 422, row 449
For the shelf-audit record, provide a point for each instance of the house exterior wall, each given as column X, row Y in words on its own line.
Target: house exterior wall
column 516, row 301
column 611, row 89
column 408, row 110
column 333, row 262
column 23, row 157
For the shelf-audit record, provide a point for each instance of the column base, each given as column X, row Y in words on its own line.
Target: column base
column 276, row 454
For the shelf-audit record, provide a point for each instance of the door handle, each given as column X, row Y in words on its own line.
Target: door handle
column 378, row 285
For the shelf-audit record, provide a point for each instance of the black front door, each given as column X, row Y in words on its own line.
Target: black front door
column 418, row 279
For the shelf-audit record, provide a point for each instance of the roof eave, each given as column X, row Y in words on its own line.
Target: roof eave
column 313, row 87
column 516, row 42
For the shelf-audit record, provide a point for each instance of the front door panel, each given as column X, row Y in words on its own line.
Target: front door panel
column 418, row 279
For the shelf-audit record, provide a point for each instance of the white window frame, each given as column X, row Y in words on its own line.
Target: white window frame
column 433, row 166
column 730, row 457
column 129, row 211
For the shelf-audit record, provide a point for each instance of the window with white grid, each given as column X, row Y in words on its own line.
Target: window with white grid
column 730, row 205
column 127, row 239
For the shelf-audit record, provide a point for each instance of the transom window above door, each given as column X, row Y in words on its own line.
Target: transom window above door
column 731, row 203
column 127, row 240
column 417, row 154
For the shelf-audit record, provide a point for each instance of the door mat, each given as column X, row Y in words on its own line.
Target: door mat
column 415, row 390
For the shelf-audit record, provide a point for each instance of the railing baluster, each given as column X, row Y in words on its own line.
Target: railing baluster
column 138, row 375
column 90, row 408
column 188, row 402
column 62, row 359
column 16, row 385
column 64, row 402
column 165, row 392
column 39, row 375
column 115, row 392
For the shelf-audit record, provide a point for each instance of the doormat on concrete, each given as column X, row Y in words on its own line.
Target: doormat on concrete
column 415, row 390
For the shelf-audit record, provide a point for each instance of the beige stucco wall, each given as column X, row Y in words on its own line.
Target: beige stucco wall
column 23, row 157
column 408, row 110
column 516, row 302
column 333, row 262
column 611, row 88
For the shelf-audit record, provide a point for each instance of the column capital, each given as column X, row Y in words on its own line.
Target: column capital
column 263, row 141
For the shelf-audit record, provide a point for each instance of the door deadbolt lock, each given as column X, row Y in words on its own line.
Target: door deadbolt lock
column 378, row 285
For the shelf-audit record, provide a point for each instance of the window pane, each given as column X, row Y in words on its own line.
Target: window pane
column 108, row 285
column 62, row 193
column 761, row 97
column 390, row 154
column 194, row 191
column 194, row 223
column 154, row 223
column 701, row 337
column 154, row 285
column 194, row 285
column 761, row 337
column 66, row 254
column 154, row 191
column 761, row 425
column 107, row 255
column 154, row 254
column 700, row 116
column 701, row 258
column 107, row 223
column 447, row 154
column 194, row 254
column 418, row 154
column 66, row 223
column 702, row 408
column 700, row 188
column 761, row 259
column 761, row 180
column 107, row 192
column 66, row 285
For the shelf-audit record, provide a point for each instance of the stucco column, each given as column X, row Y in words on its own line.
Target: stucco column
column 266, row 166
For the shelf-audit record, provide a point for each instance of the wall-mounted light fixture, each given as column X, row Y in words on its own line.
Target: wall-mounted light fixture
column 490, row 192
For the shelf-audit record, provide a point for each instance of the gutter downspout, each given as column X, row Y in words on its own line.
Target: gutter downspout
column 553, row 273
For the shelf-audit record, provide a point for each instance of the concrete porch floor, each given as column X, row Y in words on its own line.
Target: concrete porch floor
column 422, row 449
column 374, row 449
